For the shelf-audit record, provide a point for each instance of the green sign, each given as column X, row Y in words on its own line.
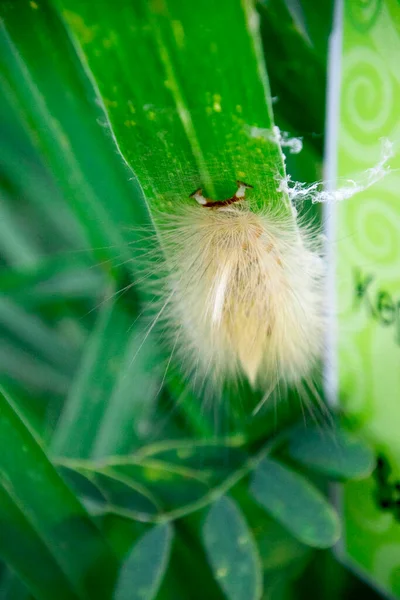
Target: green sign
column 364, row 243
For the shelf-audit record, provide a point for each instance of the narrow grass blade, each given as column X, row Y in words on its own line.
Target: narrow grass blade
column 87, row 403
column 12, row 587
column 36, row 336
column 18, row 366
column 131, row 405
column 287, row 49
column 54, row 280
column 65, row 127
column 22, row 548
column 51, row 224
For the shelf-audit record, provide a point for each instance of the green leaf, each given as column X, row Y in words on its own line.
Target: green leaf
column 141, row 574
column 174, row 487
column 130, row 407
column 51, row 222
column 87, row 491
column 35, row 335
column 232, row 552
column 186, row 95
column 126, row 495
column 22, row 547
column 188, row 102
column 15, row 247
column 106, row 492
column 54, row 279
column 337, row 453
column 121, row 532
column 41, row 518
column 88, row 400
column 17, row 365
column 214, row 457
column 318, row 23
column 12, row 587
column 297, row 70
column 295, row 503
column 147, row 491
column 60, row 112
column 278, row 548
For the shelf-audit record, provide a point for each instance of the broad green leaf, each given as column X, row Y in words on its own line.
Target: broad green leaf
column 183, row 117
column 295, row 503
column 278, row 548
column 39, row 513
column 186, row 95
column 232, row 552
column 22, row 547
column 142, row 572
column 337, row 453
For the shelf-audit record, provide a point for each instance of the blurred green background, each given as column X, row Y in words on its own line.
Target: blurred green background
column 116, row 480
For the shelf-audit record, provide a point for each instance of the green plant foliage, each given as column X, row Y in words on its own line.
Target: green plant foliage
column 295, row 503
column 232, row 552
column 114, row 476
column 40, row 515
column 291, row 73
column 54, row 280
column 335, row 453
column 87, row 168
column 101, row 400
column 142, row 572
column 215, row 129
column 147, row 489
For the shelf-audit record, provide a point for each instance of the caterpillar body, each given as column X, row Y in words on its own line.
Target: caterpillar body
column 246, row 290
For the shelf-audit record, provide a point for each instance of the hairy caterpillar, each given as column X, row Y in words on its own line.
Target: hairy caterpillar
column 245, row 290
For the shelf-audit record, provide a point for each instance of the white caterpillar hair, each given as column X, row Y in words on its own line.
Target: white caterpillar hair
column 246, row 290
